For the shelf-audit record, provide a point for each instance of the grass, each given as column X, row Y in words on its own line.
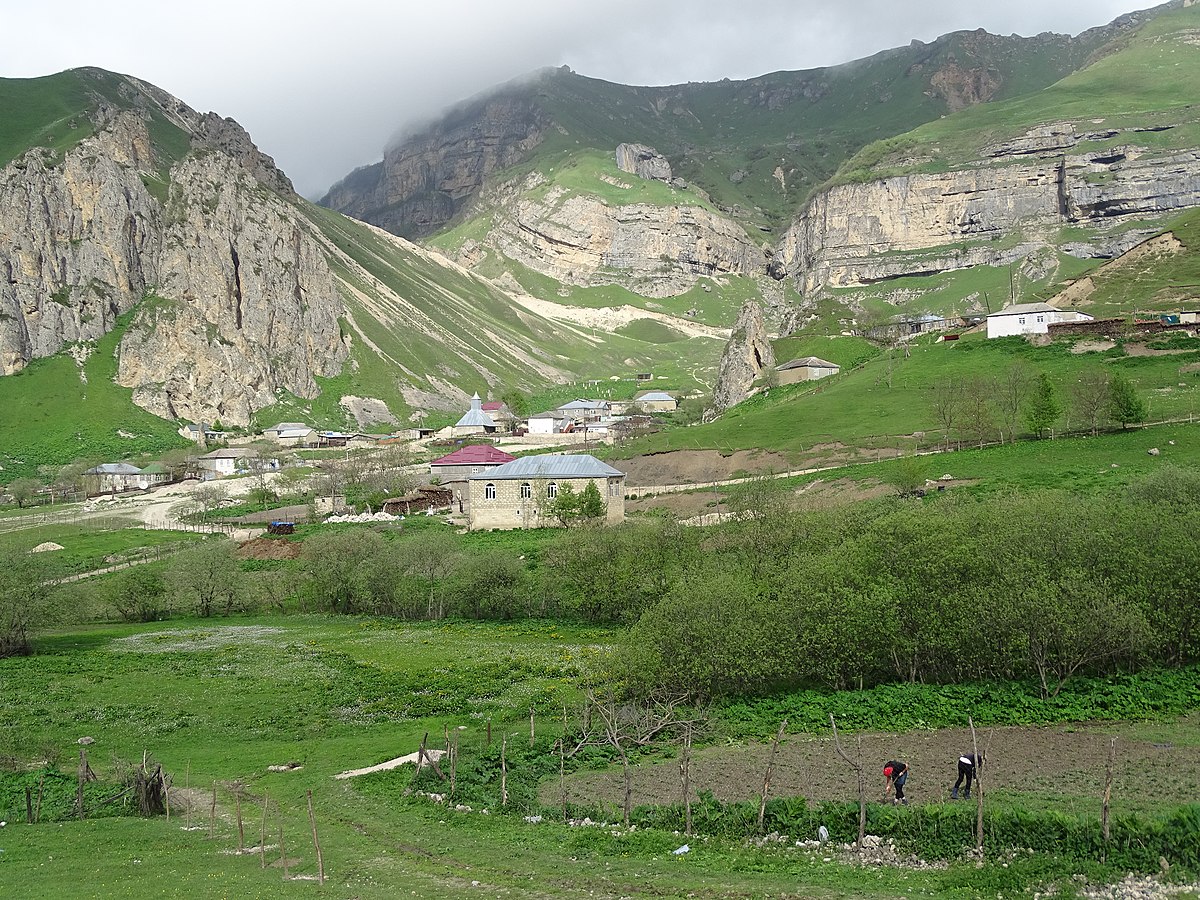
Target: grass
column 87, row 546
column 50, row 416
column 859, row 409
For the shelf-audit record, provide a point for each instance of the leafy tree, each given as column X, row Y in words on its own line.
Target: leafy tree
column 1124, row 405
column 564, row 506
column 1043, row 409
column 591, row 504
column 207, row 577
column 209, row 496
column 517, row 401
column 907, row 475
column 25, row 600
column 340, row 565
column 976, row 409
column 1090, row 398
column 139, row 594
column 23, row 490
column 430, row 556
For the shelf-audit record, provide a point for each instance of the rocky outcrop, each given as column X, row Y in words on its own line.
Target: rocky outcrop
column 657, row 251
column 235, row 302
column 250, row 306
column 79, row 241
column 747, row 356
column 424, row 181
column 917, row 224
column 643, row 161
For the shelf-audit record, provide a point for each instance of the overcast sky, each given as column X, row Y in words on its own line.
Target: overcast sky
column 323, row 86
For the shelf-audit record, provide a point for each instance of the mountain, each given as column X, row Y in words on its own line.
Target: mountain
column 133, row 226
column 1010, row 199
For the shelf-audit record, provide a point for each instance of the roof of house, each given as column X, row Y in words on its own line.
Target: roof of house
column 475, row 416
column 584, row 404
column 575, row 465
column 1022, row 309
column 808, row 361
column 493, row 406
column 229, row 453
column 475, row 455
column 549, row 414
column 155, row 468
column 289, row 426
column 655, row 396
column 114, row 469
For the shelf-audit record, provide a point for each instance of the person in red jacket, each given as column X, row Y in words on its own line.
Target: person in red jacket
column 896, row 773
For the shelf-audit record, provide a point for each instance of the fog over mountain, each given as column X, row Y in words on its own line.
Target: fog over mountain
column 324, row 87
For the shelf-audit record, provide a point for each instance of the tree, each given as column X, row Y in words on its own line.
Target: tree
column 209, row 497
column 1012, row 389
column 564, row 505
column 1043, row 409
column 1124, row 405
column 1090, row 398
column 430, row 556
column 340, row 565
column 976, row 409
column 208, row 577
column 23, row 490
column 907, row 475
column 946, row 404
column 591, row 504
column 24, row 600
column 139, row 594
column 517, row 401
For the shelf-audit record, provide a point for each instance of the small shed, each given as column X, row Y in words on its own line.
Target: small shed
column 281, row 527
column 806, row 368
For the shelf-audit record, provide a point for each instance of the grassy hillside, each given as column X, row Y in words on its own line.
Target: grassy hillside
column 54, row 411
column 887, row 400
column 1146, row 79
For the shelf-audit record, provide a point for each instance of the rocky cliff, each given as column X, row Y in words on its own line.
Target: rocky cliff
column 425, row 180
column 858, row 234
column 747, row 356
column 655, row 251
column 235, row 300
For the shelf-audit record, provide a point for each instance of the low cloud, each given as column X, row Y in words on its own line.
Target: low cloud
column 323, row 87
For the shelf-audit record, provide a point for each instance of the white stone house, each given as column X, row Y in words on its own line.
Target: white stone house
column 518, row 494
column 550, row 422
column 234, row 461
column 291, row 434
column 116, row 477
column 1030, row 318
column 585, row 410
column 655, row 401
column 807, row 368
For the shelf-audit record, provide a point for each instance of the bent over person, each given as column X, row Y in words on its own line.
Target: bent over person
column 968, row 766
column 896, row 773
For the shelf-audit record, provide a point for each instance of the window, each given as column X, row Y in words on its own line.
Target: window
column 1021, row 320
column 489, row 491
column 526, row 490
column 474, row 470
column 1041, row 318
column 614, row 489
column 552, row 490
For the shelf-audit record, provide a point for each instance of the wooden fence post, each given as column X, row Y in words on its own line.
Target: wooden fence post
column 978, row 791
column 312, row 821
column 237, row 802
column 762, row 803
column 685, row 778
column 1108, row 783
column 187, row 783
column 282, row 850
column 503, row 771
column 212, row 813
column 530, row 724
column 862, row 781
column 262, row 840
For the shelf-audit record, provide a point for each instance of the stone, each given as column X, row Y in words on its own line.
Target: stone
column 1153, row 451
column 747, row 356
column 644, row 162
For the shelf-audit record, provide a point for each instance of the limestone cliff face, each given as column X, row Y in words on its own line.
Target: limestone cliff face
column 861, row 233
column 422, row 182
column 250, row 304
column 747, row 356
column 643, row 161
column 237, row 301
column 657, row 251
column 79, row 241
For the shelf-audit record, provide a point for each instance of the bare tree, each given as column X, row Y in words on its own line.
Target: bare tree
column 976, row 409
column 946, row 405
column 1011, row 391
column 627, row 725
column 1089, row 398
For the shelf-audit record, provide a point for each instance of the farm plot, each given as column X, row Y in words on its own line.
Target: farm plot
column 1051, row 766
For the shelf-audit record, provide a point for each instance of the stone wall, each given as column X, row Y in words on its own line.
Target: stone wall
column 510, row 510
